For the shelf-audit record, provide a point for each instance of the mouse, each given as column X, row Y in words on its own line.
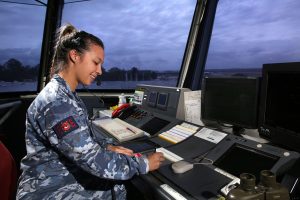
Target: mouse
column 181, row 166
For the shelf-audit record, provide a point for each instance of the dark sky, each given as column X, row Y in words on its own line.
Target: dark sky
column 248, row 33
column 152, row 34
column 21, row 31
column 137, row 33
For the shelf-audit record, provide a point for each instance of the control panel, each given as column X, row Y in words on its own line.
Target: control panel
column 156, row 108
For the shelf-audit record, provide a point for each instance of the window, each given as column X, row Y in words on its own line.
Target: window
column 22, row 24
column 144, row 40
column 249, row 33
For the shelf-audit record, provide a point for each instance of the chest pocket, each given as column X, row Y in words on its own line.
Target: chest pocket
column 81, row 109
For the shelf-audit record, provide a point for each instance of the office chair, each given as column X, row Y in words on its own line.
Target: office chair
column 8, row 174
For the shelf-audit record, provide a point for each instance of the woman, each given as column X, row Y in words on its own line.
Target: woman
column 64, row 160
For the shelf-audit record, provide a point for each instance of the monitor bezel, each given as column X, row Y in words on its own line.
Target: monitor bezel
column 286, row 157
column 279, row 135
column 257, row 81
column 235, row 146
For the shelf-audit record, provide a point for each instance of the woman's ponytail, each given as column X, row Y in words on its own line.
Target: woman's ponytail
column 64, row 32
column 68, row 38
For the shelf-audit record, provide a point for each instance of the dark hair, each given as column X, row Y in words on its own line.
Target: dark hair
column 69, row 38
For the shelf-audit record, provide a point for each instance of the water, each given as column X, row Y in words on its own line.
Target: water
column 18, row 86
column 32, row 86
column 171, row 82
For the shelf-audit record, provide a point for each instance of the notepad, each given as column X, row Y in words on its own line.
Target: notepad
column 119, row 129
column 178, row 133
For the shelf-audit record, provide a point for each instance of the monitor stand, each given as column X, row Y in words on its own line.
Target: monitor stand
column 237, row 130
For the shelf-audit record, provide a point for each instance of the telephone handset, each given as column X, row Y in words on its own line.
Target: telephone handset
column 123, row 111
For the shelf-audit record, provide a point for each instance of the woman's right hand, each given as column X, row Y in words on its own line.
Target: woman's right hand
column 155, row 160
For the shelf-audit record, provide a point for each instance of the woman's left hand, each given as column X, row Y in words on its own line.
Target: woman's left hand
column 120, row 149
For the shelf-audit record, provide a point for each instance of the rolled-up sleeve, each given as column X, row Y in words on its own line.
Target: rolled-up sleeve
column 66, row 128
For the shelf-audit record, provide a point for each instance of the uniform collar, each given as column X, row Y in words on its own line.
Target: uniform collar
column 65, row 85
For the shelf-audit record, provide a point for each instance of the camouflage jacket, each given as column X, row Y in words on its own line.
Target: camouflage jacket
column 64, row 160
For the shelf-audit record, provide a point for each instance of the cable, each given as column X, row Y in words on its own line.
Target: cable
column 210, row 161
column 78, row 1
column 101, row 100
column 202, row 156
column 28, row 4
column 41, row 2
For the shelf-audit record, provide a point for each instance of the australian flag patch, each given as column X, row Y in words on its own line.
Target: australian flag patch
column 65, row 126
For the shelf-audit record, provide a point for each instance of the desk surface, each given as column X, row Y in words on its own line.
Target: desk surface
column 201, row 182
column 188, row 149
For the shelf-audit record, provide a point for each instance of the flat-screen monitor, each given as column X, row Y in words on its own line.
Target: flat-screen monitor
column 280, row 104
column 152, row 98
column 230, row 100
column 241, row 159
column 162, row 101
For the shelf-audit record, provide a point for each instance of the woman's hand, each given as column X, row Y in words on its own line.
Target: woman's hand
column 120, row 149
column 155, row 160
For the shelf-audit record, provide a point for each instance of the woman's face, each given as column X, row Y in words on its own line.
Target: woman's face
column 89, row 65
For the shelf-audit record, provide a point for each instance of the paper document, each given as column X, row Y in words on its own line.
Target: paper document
column 190, row 126
column 119, row 129
column 210, row 135
column 192, row 104
column 178, row 133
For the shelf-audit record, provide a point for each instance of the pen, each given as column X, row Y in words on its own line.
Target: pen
column 131, row 130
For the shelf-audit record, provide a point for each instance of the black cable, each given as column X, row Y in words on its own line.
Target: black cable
column 99, row 98
column 28, row 4
column 41, row 2
column 203, row 155
column 77, row 1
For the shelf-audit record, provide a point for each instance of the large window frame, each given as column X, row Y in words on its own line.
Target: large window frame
column 52, row 22
column 252, row 35
column 14, row 94
column 183, row 62
column 189, row 62
column 194, row 74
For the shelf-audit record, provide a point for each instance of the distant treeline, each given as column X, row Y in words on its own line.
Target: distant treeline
column 134, row 74
column 14, row 70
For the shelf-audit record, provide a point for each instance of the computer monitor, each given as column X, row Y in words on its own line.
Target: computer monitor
column 162, row 101
column 279, row 119
column 230, row 100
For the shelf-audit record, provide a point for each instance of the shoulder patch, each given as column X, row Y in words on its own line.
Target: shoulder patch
column 65, row 126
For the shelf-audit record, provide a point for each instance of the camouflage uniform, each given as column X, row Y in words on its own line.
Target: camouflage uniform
column 64, row 160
